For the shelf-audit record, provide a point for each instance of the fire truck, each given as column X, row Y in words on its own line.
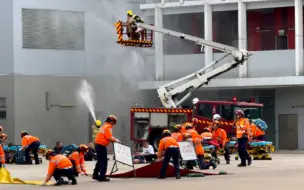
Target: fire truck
column 147, row 124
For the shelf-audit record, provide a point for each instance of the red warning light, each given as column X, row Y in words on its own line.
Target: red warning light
column 252, row 99
column 234, row 98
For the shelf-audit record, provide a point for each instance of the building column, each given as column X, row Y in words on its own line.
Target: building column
column 208, row 33
column 299, row 37
column 242, row 33
column 159, row 46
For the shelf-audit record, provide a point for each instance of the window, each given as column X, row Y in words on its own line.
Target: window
column 252, row 113
column 2, row 114
column 227, row 112
column 281, row 42
column 204, row 110
column 2, row 102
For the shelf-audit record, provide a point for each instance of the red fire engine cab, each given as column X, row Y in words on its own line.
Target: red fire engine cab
column 147, row 124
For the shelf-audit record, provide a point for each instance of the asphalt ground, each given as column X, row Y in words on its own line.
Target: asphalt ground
column 284, row 171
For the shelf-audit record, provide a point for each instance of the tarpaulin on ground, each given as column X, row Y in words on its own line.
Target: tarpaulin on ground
column 5, row 178
column 153, row 171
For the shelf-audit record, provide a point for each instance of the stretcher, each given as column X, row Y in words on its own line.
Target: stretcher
column 11, row 151
column 259, row 150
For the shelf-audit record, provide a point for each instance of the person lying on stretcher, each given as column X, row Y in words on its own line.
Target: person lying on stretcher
column 256, row 133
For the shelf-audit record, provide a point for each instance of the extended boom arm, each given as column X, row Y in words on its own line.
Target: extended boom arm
column 170, row 92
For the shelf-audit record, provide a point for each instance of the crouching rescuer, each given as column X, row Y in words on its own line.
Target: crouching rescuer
column 168, row 148
column 103, row 138
column 77, row 159
column 59, row 166
column 30, row 143
column 220, row 136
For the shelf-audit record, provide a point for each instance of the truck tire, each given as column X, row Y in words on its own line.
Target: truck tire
column 154, row 141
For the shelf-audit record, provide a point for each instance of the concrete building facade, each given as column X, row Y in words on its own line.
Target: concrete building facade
column 45, row 53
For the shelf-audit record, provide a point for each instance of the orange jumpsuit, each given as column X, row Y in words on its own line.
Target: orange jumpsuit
column 178, row 136
column 242, row 134
column 104, row 135
column 169, row 148
column 197, row 140
column 166, row 143
column 242, row 127
column 27, row 140
column 206, row 134
column 103, row 138
column 255, row 132
column 220, row 136
column 184, row 127
column 2, row 155
column 58, row 162
column 78, row 158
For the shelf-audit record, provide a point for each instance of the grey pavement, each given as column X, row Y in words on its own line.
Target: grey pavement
column 285, row 171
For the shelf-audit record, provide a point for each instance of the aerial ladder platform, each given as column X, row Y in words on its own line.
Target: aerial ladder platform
column 173, row 94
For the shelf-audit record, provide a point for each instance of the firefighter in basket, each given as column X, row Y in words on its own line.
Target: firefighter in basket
column 133, row 31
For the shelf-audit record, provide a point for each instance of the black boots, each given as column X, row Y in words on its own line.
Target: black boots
column 61, row 182
column 74, row 181
column 178, row 176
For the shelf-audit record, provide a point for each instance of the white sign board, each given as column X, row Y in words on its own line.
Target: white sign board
column 187, row 151
column 123, row 154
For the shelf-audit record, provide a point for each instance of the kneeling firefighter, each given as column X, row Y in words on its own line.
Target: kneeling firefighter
column 220, row 136
column 59, row 166
column 30, row 143
column 168, row 148
column 77, row 159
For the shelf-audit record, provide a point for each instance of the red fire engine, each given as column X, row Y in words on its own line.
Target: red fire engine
column 147, row 124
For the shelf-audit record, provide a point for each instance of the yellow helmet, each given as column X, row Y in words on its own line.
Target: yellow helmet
column 83, row 148
column 98, row 123
column 129, row 13
column 178, row 126
column 166, row 132
column 49, row 153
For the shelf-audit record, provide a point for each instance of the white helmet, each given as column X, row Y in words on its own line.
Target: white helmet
column 195, row 100
column 216, row 117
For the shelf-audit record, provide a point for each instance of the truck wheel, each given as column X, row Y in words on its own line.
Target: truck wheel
column 155, row 141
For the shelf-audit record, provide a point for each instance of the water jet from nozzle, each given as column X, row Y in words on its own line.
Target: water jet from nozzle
column 86, row 93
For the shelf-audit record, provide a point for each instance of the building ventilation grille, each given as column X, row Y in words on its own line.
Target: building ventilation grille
column 53, row 29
